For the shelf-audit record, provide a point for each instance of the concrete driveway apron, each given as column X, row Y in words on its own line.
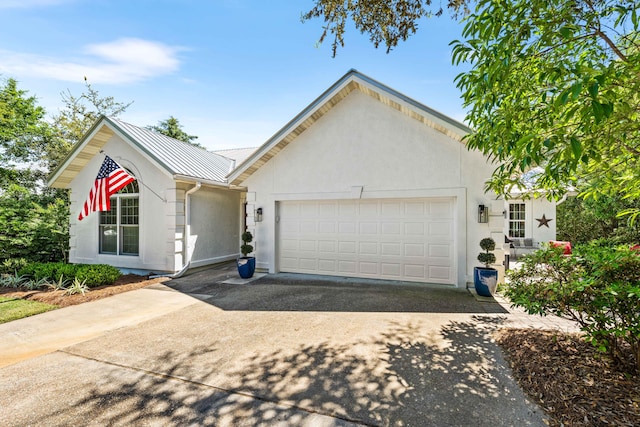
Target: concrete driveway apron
column 284, row 350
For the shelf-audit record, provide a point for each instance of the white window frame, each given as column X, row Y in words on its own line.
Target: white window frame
column 116, row 202
column 517, row 220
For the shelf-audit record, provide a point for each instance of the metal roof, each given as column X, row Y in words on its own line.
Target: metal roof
column 352, row 80
column 178, row 158
column 239, row 155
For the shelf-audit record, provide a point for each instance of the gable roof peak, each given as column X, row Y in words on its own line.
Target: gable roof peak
column 353, row 80
column 177, row 158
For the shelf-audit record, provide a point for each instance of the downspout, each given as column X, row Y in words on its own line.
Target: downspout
column 187, row 232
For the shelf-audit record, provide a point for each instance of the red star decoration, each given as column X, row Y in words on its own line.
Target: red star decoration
column 543, row 221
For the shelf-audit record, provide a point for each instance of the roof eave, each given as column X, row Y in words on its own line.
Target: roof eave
column 209, row 182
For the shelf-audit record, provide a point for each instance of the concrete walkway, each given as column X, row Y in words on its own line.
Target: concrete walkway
column 283, row 350
column 54, row 330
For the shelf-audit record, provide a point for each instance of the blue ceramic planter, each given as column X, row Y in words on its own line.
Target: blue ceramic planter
column 246, row 267
column 485, row 280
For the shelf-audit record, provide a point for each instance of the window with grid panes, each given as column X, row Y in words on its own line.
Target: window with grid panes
column 119, row 227
column 516, row 220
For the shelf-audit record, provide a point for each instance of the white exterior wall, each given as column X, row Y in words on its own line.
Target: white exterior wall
column 534, row 209
column 362, row 148
column 158, row 219
column 215, row 226
column 215, row 218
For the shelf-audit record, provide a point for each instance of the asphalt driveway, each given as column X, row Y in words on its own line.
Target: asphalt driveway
column 282, row 350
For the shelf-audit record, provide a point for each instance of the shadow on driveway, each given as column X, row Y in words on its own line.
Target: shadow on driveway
column 460, row 380
column 300, row 292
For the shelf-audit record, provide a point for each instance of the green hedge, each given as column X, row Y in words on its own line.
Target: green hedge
column 94, row 274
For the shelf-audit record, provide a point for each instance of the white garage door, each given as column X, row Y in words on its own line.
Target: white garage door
column 396, row 239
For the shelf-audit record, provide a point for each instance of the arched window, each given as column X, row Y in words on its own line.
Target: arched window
column 120, row 226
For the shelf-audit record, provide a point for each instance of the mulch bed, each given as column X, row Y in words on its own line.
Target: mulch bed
column 125, row 283
column 574, row 383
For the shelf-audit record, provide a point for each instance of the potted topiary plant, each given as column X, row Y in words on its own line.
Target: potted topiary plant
column 246, row 264
column 485, row 279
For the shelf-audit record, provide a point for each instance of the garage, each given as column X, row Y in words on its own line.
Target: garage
column 395, row 239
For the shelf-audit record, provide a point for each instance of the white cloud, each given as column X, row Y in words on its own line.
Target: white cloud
column 121, row 61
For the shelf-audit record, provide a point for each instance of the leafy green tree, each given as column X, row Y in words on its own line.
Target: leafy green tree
column 75, row 119
column 387, row 22
column 554, row 84
column 23, row 130
column 172, row 128
column 584, row 220
column 34, row 226
column 34, row 219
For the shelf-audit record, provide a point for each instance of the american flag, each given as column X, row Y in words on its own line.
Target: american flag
column 111, row 179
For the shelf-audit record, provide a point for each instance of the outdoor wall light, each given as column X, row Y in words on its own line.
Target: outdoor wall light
column 258, row 215
column 483, row 214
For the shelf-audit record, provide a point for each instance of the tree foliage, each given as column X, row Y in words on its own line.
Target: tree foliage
column 172, row 128
column 554, row 84
column 34, row 226
column 34, row 219
column 76, row 117
column 584, row 220
column 22, row 125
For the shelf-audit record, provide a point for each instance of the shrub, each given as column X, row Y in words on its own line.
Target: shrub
column 12, row 265
column 97, row 274
column 246, row 248
column 487, row 257
column 91, row 274
column 598, row 287
column 50, row 270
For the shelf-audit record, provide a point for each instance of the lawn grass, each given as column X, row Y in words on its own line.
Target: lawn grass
column 15, row 308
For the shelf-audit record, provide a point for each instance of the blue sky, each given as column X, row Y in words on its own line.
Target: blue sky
column 232, row 71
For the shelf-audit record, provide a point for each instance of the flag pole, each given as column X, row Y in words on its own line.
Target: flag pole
column 145, row 185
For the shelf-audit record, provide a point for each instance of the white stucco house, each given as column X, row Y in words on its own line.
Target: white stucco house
column 364, row 182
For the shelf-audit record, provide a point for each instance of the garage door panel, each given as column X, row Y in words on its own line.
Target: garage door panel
column 414, row 271
column 416, row 209
column 370, row 268
column 348, row 227
column 414, row 249
column 346, row 248
column 308, row 264
column 440, row 251
column 440, row 210
column 391, row 209
column 328, row 209
column 404, row 239
column 391, row 228
column 391, row 249
column 369, row 228
column 367, row 209
column 348, row 209
column 441, row 229
column 327, row 227
column 441, row 273
column 414, row 228
column 368, row 248
column 347, row 267
column 308, row 245
column 307, row 227
column 327, row 265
